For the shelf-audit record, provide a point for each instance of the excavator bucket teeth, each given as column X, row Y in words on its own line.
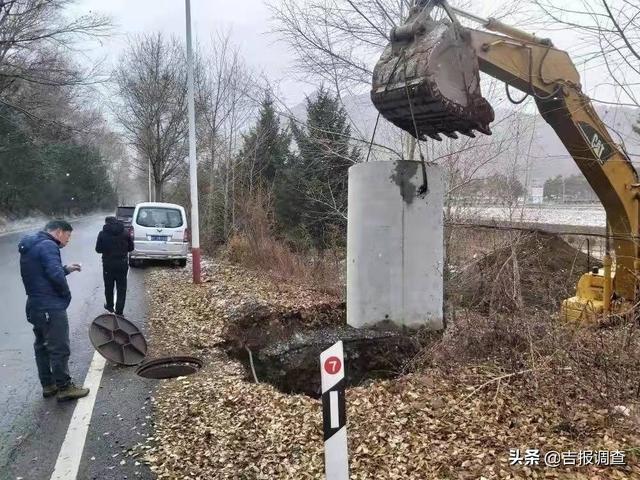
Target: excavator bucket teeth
column 427, row 81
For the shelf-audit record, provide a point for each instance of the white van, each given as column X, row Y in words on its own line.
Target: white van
column 159, row 233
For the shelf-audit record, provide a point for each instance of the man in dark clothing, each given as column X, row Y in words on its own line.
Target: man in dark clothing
column 114, row 244
column 48, row 297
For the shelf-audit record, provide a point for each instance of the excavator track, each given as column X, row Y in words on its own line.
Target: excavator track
column 427, row 81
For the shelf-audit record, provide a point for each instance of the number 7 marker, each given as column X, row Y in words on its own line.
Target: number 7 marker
column 334, row 417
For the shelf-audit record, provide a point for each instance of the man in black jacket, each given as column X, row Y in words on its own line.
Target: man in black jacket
column 114, row 244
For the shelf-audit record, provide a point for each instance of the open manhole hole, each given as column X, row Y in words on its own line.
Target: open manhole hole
column 169, row 367
column 121, row 342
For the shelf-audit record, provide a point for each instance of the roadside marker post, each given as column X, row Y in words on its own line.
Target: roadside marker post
column 334, row 415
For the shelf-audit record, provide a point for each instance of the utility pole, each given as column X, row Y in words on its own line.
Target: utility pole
column 193, row 167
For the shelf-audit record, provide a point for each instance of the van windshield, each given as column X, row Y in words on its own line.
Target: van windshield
column 159, row 217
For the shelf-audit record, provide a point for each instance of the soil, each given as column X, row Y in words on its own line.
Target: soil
column 548, row 269
column 285, row 345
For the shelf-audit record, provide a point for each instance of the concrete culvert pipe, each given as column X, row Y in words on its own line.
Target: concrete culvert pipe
column 395, row 245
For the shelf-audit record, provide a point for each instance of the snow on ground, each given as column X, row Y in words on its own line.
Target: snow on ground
column 37, row 222
column 8, row 226
column 582, row 215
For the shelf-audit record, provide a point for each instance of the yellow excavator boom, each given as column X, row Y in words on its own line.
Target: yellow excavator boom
column 433, row 87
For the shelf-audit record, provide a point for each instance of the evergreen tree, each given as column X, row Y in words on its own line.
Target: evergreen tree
column 48, row 176
column 266, row 147
column 318, row 173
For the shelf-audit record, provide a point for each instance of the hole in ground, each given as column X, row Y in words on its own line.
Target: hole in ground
column 286, row 346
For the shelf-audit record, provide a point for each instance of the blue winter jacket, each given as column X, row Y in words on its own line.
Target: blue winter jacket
column 43, row 274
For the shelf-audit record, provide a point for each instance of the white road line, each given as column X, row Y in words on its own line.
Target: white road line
column 71, row 451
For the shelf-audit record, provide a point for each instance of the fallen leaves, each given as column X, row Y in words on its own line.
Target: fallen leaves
column 216, row 424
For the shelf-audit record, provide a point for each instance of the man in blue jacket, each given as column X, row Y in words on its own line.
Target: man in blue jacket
column 48, row 297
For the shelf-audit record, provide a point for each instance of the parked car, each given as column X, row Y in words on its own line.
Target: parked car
column 159, row 233
column 125, row 215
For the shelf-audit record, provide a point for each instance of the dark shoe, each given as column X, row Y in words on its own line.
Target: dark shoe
column 108, row 308
column 71, row 392
column 119, row 313
column 49, row 391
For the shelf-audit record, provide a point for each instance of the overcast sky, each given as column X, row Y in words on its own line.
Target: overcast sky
column 249, row 24
column 247, row 20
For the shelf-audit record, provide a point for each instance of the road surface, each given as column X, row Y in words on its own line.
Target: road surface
column 35, row 432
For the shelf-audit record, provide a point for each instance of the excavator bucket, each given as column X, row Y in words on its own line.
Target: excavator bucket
column 427, row 81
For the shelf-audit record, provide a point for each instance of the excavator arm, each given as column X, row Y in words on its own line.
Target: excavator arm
column 427, row 83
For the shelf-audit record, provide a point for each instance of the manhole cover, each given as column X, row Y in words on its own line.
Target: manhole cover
column 169, row 367
column 117, row 339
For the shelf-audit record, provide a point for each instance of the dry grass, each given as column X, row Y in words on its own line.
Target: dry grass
column 499, row 378
column 510, row 289
column 567, row 364
column 256, row 247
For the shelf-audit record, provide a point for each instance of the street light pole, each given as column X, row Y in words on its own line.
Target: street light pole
column 193, row 167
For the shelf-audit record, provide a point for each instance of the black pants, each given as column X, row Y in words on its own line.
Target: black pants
column 115, row 276
column 51, row 329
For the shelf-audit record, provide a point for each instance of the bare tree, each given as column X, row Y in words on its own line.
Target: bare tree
column 35, row 39
column 223, row 101
column 151, row 105
column 244, row 112
column 338, row 41
column 331, row 38
column 608, row 36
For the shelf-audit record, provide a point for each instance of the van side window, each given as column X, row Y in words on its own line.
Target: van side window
column 159, row 217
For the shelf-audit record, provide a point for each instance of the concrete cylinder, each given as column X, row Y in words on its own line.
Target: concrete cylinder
column 395, row 245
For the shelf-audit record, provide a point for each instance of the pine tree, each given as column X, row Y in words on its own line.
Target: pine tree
column 320, row 168
column 48, row 174
column 266, row 147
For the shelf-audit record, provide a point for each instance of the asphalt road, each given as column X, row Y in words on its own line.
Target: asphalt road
column 32, row 428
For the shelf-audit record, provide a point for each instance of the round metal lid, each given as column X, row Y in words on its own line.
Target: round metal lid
column 117, row 339
column 169, row 367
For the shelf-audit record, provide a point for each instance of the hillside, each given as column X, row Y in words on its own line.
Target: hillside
column 548, row 155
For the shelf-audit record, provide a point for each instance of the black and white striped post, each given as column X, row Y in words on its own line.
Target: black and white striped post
column 334, row 415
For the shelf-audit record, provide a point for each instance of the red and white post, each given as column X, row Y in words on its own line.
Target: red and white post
column 334, row 415
column 193, row 165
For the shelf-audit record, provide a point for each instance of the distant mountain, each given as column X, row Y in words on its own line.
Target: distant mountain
column 547, row 153
column 552, row 157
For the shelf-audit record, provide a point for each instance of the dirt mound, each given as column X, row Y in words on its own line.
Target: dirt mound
column 533, row 269
column 255, row 324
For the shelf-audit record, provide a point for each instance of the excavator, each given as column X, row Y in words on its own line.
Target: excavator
column 427, row 82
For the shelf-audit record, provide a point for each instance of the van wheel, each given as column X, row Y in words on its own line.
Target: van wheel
column 182, row 262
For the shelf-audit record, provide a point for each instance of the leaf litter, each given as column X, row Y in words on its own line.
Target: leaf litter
column 432, row 424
